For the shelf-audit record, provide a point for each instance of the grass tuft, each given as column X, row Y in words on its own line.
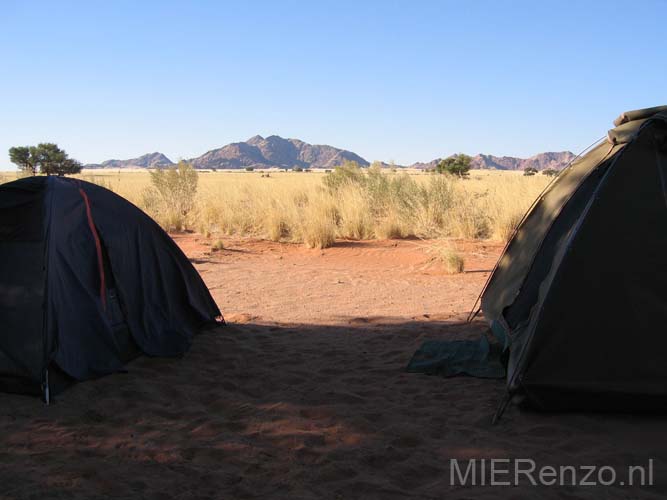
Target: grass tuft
column 217, row 245
column 443, row 253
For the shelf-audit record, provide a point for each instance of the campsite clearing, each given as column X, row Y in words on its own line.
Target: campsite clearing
column 304, row 394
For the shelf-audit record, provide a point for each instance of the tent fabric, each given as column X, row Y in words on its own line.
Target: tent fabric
column 86, row 280
column 638, row 114
column 22, row 277
column 513, row 265
column 626, row 132
column 580, row 289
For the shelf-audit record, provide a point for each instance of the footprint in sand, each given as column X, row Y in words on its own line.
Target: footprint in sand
column 335, row 473
column 332, row 371
column 345, row 397
column 316, row 413
column 407, row 441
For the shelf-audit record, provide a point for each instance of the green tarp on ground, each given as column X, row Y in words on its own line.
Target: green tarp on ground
column 477, row 358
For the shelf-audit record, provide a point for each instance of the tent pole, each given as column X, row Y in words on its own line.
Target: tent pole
column 501, row 408
column 47, row 392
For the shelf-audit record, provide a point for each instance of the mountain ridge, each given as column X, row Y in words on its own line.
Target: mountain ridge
column 150, row 160
column 541, row 161
column 276, row 152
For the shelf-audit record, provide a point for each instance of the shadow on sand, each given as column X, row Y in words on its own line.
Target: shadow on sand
column 299, row 411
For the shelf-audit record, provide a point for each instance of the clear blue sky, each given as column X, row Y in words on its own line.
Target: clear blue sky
column 390, row 80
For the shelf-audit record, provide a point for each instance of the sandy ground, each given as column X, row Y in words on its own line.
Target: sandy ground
column 304, row 395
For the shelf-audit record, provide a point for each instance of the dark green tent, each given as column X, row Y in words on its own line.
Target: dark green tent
column 581, row 289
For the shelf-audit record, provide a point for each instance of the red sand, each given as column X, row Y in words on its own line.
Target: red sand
column 304, row 395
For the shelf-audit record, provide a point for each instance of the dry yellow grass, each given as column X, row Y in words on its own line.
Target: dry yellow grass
column 297, row 207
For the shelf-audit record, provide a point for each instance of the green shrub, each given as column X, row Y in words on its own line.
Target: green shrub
column 171, row 196
column 348, row 173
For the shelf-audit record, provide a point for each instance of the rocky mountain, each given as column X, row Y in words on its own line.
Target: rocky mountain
column 234, row 155
column 151, row 160
column 274, row 151
column 426, row 166
column 540, row 161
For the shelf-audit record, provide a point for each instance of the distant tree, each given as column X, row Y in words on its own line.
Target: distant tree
column 529, row 171
column 550, row 172
column 249, row 169
column 458, row 165
column 24, row 158
column 297, row 169
column 47, row 157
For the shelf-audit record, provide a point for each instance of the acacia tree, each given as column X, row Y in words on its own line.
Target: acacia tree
column 24, row 157
column 54, row 161
column 47, row 157
column 456, row 165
